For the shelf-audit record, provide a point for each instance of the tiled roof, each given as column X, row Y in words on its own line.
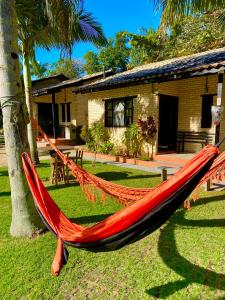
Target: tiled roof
column 70, row 82
column 196, row 64
column 59, row 76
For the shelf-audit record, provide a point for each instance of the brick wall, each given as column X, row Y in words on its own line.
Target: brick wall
column 78, row 106
column 146, row 102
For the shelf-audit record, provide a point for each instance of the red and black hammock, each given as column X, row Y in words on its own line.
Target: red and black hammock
column 127, row 225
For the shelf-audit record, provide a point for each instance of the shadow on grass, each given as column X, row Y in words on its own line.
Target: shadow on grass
column 62, row 186
column 123, row 175
column 4, row 173
column 191, row 273
column 43, row 165
column 4, row 194
column 89, row 219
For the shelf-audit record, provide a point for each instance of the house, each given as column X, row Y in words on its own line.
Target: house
column 61, row 113
column 178, row 92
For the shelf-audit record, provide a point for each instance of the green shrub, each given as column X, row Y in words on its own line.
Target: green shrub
column 132, row 140
column 106, row 147
column 87, row 137
column 96, row 138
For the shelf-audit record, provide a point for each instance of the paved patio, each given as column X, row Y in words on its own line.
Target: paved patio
column 172, row 162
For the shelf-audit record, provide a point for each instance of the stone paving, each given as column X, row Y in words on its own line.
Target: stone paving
column 174, row 165
column 171, row 167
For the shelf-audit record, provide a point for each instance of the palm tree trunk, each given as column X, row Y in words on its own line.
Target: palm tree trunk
column 24, row 218
column 27, row 89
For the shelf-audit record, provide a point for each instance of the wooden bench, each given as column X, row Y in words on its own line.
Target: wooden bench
column 202, row 138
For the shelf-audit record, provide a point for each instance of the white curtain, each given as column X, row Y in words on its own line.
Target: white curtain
column 118, row 114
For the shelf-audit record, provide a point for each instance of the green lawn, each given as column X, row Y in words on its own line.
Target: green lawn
column 182, row 260
column 2, row 141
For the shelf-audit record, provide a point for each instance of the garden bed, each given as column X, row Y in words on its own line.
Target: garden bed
column 128, row 160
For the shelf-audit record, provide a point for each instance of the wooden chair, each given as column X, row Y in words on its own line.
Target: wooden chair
column 57, row 170
column 79, row 157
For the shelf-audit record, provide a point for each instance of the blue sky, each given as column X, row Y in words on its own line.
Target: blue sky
column 114, row 16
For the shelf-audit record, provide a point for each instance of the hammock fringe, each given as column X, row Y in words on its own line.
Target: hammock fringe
column 92, row 185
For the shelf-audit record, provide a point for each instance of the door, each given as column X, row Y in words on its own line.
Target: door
column 45, row 118
column 168, row 118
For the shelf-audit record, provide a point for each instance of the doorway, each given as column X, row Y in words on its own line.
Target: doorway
column 168, row 120
column 45, row 118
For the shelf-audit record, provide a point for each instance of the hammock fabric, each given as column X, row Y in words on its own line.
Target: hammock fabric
column 125, row 226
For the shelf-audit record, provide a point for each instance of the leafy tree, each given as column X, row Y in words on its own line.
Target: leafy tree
column 193, row 34
column 174, row 10
column 115, row 55
column 145, row 48
column 92, row 64
column 69, row 67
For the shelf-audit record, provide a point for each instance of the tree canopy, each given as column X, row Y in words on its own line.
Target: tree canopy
column 173, row 10
column 115, row 55
column 188, row 35
column 69, row 67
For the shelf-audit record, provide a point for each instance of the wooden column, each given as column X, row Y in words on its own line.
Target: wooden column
column 219, row 101
column 53, row 116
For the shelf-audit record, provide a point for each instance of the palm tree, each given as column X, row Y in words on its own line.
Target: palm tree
column 50, row 23
column 174, row 9
column 14, row 125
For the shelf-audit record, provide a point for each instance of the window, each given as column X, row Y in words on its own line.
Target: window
column 207, row 102
column 119, row 112
column 66, row 112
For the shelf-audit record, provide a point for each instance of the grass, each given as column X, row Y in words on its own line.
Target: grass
column 2, row 141
column 182, row 260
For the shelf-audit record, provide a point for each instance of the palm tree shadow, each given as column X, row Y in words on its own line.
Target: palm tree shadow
column 191, row 273
column 89, row 219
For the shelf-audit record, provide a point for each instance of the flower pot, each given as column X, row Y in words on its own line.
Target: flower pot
column 117, row 158
column 122, row 159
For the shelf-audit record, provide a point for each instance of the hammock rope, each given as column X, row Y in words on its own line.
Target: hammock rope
column 124, row 195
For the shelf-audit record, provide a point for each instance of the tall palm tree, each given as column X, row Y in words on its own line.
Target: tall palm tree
column 14, row 125
column 52, row 23
column 174, row 9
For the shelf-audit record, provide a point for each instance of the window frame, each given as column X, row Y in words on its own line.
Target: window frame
column 112, row 102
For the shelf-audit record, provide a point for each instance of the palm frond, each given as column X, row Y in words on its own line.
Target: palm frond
column 86, row 28
column 174, row 9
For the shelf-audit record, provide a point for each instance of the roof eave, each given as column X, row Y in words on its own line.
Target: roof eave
column 151, row 79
